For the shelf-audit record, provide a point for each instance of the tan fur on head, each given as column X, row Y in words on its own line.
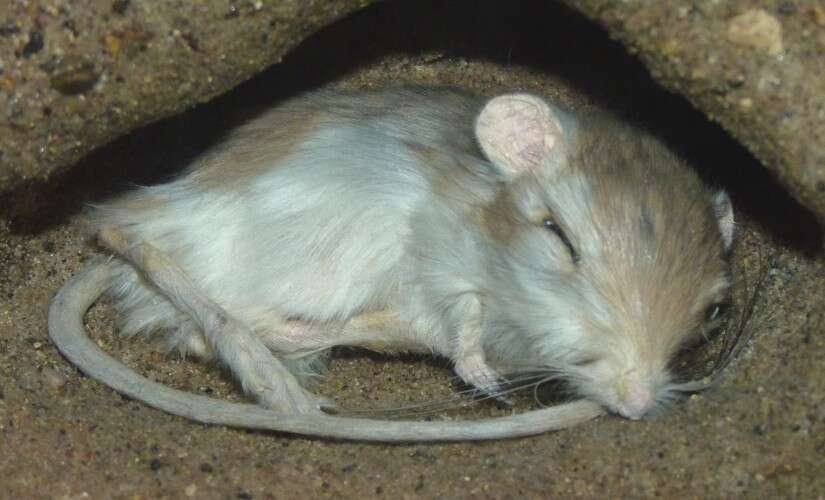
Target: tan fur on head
column 636, row 257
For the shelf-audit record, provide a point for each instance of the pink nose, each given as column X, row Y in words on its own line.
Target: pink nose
column 637, row 403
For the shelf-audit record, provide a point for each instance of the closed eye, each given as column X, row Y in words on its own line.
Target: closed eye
column 585, row 362
column 554, row 228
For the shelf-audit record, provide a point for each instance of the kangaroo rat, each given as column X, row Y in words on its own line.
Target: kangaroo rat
column 505, row 234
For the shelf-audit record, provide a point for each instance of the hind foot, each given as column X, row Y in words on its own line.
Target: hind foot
column 233, row 343
column 261, row 375
column 274, row 391
column 473, row 370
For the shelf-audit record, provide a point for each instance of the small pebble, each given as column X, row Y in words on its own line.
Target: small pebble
column 8, row 30
column 53, row 378
column 818, row 15
column 74, row 75
column 34, row 45
column 758, row 30
column 120, row 6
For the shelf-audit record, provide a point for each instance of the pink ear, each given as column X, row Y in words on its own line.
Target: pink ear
column 518, row 132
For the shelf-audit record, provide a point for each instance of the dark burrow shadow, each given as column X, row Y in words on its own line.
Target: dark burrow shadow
column 542, row 35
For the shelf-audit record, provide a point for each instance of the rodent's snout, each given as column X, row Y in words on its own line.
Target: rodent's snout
column 636, row 403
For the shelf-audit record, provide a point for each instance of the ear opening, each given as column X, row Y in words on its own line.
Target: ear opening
column 723, row 209
column 518, row 133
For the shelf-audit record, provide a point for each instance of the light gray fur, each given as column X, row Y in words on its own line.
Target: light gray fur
column 384, row 201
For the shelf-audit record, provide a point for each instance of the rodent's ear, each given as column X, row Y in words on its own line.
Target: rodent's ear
column 723, row 209
column 518, row 132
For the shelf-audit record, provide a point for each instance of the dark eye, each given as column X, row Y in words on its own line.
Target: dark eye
column 554, row 228
column 715, row 311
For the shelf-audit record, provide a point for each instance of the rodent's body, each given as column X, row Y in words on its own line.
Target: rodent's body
column 318, row 226
column 504, row 234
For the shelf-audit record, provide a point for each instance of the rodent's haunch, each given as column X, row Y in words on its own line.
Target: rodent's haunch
column 505, row 234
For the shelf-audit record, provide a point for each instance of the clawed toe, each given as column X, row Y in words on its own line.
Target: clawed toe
column 294, row 402
column 475, row 372
column 325, row 403
column 495, row 391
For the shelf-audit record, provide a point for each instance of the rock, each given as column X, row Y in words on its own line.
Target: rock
column 818, row 14
column 120, row 6
column 758, row 30
column 34, row 45
column 53, row 378
column 697, row 51
column 138, row 62
column 9, row 29
column 123, row 60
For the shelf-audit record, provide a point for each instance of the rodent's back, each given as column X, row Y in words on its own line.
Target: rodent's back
column 306, row 208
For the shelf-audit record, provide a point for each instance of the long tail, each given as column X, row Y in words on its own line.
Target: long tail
column 68, row 333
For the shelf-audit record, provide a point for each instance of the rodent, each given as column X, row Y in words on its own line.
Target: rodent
column 503, row 233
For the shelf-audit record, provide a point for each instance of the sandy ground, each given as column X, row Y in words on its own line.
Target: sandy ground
column 760, row 433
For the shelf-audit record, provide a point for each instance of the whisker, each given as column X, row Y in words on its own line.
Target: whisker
column 413, row 410
column 731, row 348
column 461, row 399
column 732, row 344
